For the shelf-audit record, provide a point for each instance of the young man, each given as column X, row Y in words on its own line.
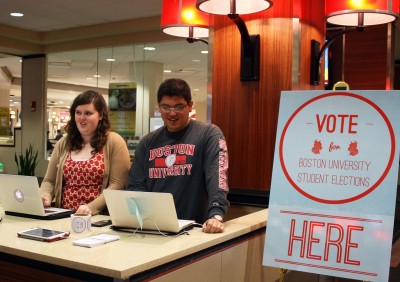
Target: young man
column 186, row 158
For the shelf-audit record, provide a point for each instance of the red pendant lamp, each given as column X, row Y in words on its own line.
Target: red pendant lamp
column 225, row 7
column 354, row 15
column 182, row 18
column 361, row 12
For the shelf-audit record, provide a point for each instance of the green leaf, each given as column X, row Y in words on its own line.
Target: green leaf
column 27, row 163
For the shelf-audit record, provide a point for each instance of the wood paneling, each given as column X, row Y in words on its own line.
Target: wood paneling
column 12, row 272
column 247, row 112
column 363, row 59
column 366, row 59
column 312, row 26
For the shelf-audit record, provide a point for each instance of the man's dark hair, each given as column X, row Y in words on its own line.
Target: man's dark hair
column 174, row 87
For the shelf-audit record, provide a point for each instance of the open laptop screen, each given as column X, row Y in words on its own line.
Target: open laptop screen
column 143, row 210
column 20, row 196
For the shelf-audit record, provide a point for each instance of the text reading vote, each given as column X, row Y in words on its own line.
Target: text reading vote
column 337, row 123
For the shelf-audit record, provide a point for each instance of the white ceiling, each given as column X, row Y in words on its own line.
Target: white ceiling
column 50, row 15
column 76, row 67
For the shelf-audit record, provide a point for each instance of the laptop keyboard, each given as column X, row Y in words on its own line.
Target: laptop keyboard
column 48, row 211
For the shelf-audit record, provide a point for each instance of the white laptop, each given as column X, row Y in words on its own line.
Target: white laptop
column 19, row 196
column 145, row 212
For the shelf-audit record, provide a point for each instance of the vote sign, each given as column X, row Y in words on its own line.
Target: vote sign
column 334, row 182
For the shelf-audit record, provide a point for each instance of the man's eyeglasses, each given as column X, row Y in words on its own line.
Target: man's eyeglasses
column 168, row 109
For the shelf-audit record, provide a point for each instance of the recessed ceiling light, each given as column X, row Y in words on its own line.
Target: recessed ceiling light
column 196, row 61
column 204, row 52
column 16, row 14
column 188, row 71
column 167, row 70
column 97, row 75
column 89, row 77
column 149, row 48
column 196, row 89
column 110, row 60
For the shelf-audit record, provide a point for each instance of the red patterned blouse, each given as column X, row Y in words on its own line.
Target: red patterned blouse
column 82, row 180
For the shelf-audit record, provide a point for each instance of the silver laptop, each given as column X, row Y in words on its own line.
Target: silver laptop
column 19, row 196
column 146, row 212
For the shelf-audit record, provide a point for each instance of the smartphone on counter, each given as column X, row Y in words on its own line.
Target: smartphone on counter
column 43, row 234
column 102, row 223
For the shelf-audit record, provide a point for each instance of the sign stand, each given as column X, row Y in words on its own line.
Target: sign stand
column 282, row 271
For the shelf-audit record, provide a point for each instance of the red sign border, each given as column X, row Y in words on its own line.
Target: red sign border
column 373, row 187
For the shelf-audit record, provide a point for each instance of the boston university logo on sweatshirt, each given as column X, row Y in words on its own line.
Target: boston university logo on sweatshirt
column 171, row 160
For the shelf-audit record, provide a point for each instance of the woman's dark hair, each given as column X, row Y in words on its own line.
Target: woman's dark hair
column 174, row 87
column 74, row 138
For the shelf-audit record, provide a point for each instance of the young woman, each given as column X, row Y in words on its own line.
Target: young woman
column 89, row 159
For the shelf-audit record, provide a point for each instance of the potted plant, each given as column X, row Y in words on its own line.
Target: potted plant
column 27, row 163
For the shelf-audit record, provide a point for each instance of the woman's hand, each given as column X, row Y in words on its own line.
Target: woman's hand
column 84, row 209
column 45, row 201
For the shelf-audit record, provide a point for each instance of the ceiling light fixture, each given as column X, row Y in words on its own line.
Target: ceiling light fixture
column 354, row 16
column 348, row 12
column 181, row 18
column 16, row 14
column 250, row 54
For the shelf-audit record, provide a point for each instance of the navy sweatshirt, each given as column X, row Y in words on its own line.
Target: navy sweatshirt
column 192, row 164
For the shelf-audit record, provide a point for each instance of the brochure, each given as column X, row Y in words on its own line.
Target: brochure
column 95, row 240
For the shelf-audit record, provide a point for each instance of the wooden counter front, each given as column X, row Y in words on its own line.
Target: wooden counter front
column 131, row 255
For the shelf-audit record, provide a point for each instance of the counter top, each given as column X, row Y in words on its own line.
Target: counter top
column 132, row 254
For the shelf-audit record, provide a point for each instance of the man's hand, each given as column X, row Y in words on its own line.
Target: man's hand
column 213, row 225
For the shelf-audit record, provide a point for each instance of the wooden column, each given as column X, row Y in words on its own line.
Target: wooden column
column 247, row 112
